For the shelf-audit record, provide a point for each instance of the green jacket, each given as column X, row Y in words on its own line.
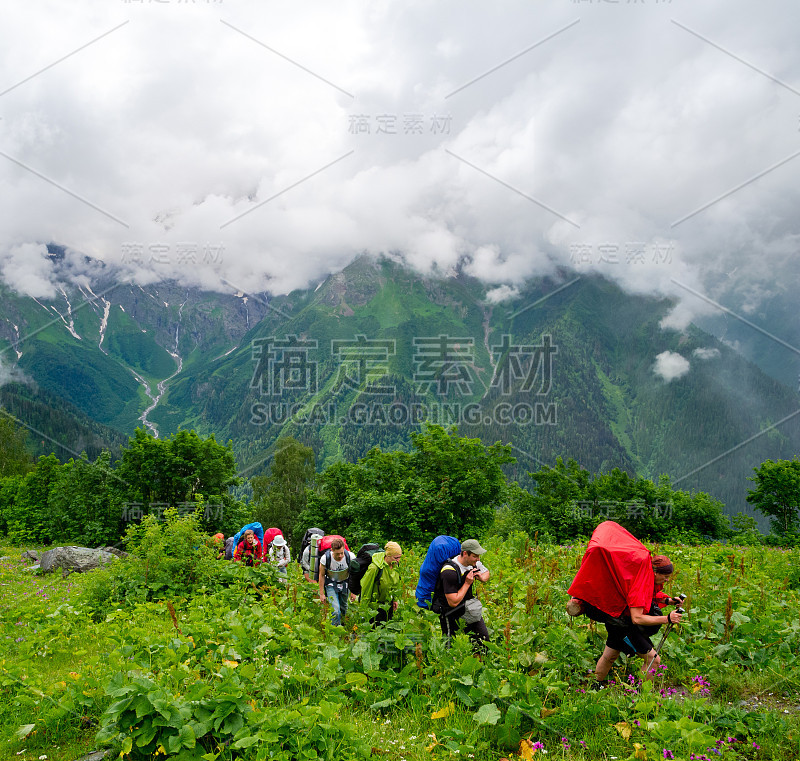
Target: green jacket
column 388, row 588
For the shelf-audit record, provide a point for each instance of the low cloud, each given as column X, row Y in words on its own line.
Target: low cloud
column 11, row 374
column 670, row 365
column 28, row 270
column 502, row 293
column 706, row 353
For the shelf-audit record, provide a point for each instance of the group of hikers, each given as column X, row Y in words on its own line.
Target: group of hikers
column 619, row 584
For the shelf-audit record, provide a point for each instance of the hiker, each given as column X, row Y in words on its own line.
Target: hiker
column 381, row 582
column 248, row 550
column 334, row 571
column 640, row 626
column 454, row 599
column 279, row 555
column 619, row 584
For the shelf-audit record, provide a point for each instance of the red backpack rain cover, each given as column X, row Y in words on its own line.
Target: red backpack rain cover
column 616, row 571
column 324, row 544
column 269, row 535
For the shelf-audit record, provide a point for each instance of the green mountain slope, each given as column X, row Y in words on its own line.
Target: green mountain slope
column 566, row 368
column 55, row 425
column 605, row 405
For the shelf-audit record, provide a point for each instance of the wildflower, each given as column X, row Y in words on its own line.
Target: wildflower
column 667, row 753
column 757, row 747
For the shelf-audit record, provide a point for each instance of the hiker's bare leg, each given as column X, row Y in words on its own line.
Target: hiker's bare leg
column 605, row 663
column 651, row 663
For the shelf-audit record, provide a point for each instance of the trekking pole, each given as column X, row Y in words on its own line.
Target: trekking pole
column 670, row 625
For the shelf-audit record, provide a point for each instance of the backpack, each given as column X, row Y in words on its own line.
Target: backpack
column 440, row 604
column 266, row 542
column 258, row 530
column 442, row 548
column 358, row 567
column 324, row 548
column 307, row 540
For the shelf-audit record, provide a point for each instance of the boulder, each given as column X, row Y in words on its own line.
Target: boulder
column 31, row 555
column 114, row 551
column 69, row 559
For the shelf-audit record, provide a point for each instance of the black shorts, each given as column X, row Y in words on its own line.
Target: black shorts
column 639, row 640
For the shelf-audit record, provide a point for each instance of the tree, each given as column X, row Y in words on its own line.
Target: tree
column 570, row 502
column 28, row 518
column 173, row 471
column 447, row 484
column 777, row 494
column 15, row 460
column 85, row 506
column 280, row 497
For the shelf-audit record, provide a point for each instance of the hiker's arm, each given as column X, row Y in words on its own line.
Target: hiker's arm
column 322, row 572
column 483, row 575
column 368, row 583
column 352, row 556
column 638, row 616
column 454, row 598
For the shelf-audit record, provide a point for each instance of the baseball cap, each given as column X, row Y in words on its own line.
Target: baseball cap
column 473, row 546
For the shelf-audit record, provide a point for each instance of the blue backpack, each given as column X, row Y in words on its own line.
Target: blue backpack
column 440, row 550
column 258, row 530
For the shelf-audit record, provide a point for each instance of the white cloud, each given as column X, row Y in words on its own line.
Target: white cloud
column 11, row 374
column 706, row 353
column 501, row 293
column 27, row 269
column 624, row 123
column 669, row 365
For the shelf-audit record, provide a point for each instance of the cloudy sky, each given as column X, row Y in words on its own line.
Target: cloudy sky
column 266, row 144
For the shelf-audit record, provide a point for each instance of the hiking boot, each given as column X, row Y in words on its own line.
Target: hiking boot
column 574, row 607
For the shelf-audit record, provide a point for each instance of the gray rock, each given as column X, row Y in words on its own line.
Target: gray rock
column 78, row 559
column 114, row 551
column 31, row 555
column 97, row 755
